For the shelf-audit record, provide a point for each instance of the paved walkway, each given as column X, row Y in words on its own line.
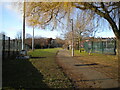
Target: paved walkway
column 82, row 74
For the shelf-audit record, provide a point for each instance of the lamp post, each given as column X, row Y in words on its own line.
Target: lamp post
column 72, row 39
column 33, row 32
column 33, row 40
column 23, row 32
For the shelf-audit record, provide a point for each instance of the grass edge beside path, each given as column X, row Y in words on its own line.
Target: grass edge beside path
column 109, row 60
column 107, row 64
column 41, row 71
column 53, row 75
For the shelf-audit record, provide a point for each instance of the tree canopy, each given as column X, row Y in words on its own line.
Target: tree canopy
column 52, row 13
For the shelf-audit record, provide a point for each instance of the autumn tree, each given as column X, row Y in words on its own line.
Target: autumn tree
column 51, row 13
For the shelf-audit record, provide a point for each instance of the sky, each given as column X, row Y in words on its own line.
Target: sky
column 11, row 23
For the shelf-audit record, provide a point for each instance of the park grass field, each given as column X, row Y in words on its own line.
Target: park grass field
column 110, row 60
column 107, row 64
column 41, row 71
column 53, row 76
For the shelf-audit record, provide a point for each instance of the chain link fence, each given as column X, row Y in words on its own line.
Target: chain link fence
column 10, row 47
column 104, row 46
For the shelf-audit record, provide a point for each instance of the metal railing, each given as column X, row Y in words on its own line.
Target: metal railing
column 10, row 47
column 107, row 46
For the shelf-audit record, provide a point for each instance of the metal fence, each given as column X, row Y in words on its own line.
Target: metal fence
column 9, row 47
column 107, row 46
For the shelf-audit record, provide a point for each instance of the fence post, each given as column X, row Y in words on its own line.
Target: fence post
column 8, row 46
column 17, row 47
column 102, row 47
column 13, row 47
column 92, row 46
column 3, row 50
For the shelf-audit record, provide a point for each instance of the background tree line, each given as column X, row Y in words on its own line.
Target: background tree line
column 41, row 42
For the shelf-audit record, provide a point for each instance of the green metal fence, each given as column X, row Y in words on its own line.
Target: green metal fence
column 107, row 46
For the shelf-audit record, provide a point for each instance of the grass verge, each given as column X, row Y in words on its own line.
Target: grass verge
column 107, row 64
column 110, row 60
column 53, row 76
column 41, row 71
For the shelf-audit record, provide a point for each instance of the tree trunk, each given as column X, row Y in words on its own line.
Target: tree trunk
column 115, row 47
column 116, row 32
column 118, row 48
column 118, row 54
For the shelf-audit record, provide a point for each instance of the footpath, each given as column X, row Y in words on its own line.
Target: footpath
column 82, row 74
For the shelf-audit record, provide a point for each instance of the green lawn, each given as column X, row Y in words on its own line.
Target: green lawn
column 107, row 64
column 110, row 60
column 41, row 71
